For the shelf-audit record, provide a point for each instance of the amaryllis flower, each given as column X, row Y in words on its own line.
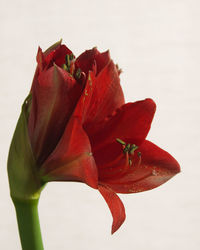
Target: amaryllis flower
column 79, row 128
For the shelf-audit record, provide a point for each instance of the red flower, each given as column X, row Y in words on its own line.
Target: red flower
column 81, row 130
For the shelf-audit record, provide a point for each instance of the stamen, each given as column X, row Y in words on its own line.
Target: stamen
column 72, row 68
column 126, row 166
column 120, row 141
column 133, row 148
column 71, row 57
column 140, row 158
column 67, row 59
column 64, row 66
column 127, row 148
column 78, row 73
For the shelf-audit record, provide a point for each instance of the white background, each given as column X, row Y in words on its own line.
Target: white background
column 157, row 44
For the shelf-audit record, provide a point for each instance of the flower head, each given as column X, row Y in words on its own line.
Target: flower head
column 79, row 128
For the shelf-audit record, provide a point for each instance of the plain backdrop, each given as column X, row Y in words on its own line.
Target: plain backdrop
column 157, row 44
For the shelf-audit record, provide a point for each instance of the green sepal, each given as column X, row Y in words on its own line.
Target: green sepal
column 25, row 183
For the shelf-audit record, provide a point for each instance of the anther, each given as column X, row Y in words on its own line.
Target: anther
column 67, row 59
column 127, row 148
column 64, row 66
column 78, row 73
column 71, row 57
column 133, row 148
column 120, row 141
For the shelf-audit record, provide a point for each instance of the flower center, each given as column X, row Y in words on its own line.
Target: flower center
column 69, row 66
column 128, row 150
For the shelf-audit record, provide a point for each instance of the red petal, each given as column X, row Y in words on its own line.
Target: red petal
column 85, row 99
column 156, row 167
column 56, row 53
column 57, row 56
column 111, row 161
column 116, row 207
column 130, row 123
column 72, row 159
column 40, row 59
column 87, row 60
column 107, row 96
column 53, row 47
column 102, row 59
column 103, row 92
column 54, row 98
column 101, row 96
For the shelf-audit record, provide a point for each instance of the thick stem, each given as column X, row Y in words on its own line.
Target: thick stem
column 28, row 224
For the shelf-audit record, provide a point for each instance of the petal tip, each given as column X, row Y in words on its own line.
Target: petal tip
column 176, row 168
column 151, row 103
column 115, row 205
column 115, row 227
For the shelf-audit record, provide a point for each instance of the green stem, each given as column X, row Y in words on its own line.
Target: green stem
column 28, row 224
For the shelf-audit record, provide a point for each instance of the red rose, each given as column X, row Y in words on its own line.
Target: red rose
column 80, row 129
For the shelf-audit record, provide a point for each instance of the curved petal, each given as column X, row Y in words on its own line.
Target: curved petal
column 115, row 205
column 102, row 93
column 106, row 97
column 40, row 58
column 87, row 60
column 153, row 168
column 53, row 47
column 56, row 92
column 102, row 59
column 72, row 159
column 54, row 54
column 130, row 123
column 84, row 101
column 57, row 56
